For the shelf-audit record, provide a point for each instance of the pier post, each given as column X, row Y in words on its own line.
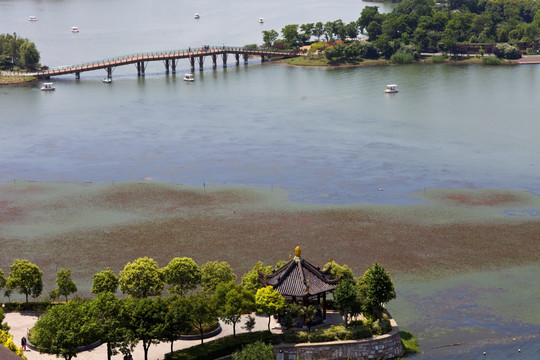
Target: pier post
column 201, row 62
column 167, row 66
column 142, row 68
column 77, row 75
column 192, row 63
column 262, row 58
column 224, row 59
column 245, row 58
column 138, row 68
column 109, row 72
column 214, row 61
column 173, row 65
column 237, row 56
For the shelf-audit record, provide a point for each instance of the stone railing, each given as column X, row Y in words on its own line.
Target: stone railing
column 387, row 346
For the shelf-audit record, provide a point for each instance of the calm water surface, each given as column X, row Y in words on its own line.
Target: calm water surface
column 329, row 136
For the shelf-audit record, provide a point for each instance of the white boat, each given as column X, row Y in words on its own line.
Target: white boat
column 189, row 77
column 196, row 16
column 261, row 20
column 47, row 86
column 32, row 18
column 74, row 29
column 391, row 89
column 107, row 80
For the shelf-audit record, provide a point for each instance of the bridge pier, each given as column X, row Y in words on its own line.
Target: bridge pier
column 224, row 59
column 201, row 62
column 167, row 66
column 245, row 58
column 214, row 61
column 262, row 58
column 173, row 65
column 77, row 75
column 109, row 72
column 192, row 63
column 237, row 57
column 140, row 68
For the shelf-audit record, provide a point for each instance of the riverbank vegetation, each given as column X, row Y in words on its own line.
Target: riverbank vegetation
column 458, row 28
column 17, row 53
column 199, row 296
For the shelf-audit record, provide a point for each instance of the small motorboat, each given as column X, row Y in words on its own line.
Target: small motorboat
column 261, row 20
column 74, row 29
column 32, row 18
column 197, row 16
column 49, row 86
column 391, row 89
column 107, row 80
column 189, row 77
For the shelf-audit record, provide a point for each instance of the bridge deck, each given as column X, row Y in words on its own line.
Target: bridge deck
column 156, row 56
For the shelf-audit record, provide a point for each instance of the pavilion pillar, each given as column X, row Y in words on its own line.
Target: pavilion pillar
column 324, row 306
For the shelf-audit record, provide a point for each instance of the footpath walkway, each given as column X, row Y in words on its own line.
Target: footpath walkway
column 20, row 322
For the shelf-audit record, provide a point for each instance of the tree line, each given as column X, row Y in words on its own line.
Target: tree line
column 17, row 52
column 198, row 297
column 455, row 27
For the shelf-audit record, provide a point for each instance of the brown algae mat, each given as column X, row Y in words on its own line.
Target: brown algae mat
column 89, row 227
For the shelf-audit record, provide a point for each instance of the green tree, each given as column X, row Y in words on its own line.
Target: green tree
column 269, row 302
column 141, row 279
column 62, row 329
column 290, row 34
column 182, row 274
column 203, row 311
column 26, row 277
column 347, row 301
column 250, row 280
column 337, row 270
column 255, row 351
column 64, row 284
column 269, row 36
column 318, row 30
column 3, row 326
column 146, row 320
column 369, row 14
column 2, row 279
column 213, row 273
column 231, row 302
column 105, row 281
column 177, row 319
column 29, row 56
column 376, row 289
column 105, row 311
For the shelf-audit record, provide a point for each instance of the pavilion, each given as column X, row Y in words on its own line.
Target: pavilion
column 299, row 279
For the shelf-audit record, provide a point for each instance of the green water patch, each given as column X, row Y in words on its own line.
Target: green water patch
column 470, row 307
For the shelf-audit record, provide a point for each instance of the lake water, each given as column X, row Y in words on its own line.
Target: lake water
column 329, row 136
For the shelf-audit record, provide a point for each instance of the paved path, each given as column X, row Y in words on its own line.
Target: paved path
column 20, row 322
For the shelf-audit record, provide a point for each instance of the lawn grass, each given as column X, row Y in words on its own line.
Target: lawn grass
column 409, row 342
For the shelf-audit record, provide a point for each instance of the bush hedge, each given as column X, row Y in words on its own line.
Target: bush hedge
column 491, row 60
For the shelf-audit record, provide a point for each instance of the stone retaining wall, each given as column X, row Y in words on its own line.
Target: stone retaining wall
column 386, row 346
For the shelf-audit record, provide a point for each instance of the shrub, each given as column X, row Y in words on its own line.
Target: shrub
column 508, row 51
column 491, row 60
column 402, row 58
column 380, row 327
column 438, row 59
column 250, row 46
column 256, row 351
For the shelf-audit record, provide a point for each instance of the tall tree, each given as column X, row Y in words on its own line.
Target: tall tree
column 269, row 302
column 376, row 289
column 105, row 312
column 290, row 34
column 177, row 319
column 105, row 281
column 64, row 284
column 231, row 302
column 203, row 311
column 269, row 36
column 213, row 273
column 26, row 277
column 63, row 328
column 347, row 300
column 182, row 274
column 141, row 279
column 250, row 280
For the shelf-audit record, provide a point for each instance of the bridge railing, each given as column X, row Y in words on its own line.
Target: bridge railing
column 167, row 53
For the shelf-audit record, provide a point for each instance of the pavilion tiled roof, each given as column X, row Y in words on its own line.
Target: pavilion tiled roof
column 299, row 278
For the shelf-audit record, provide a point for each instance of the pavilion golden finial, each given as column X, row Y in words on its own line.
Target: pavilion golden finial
column 297, row 251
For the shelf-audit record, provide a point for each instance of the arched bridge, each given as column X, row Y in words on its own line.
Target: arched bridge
column 170, row 59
